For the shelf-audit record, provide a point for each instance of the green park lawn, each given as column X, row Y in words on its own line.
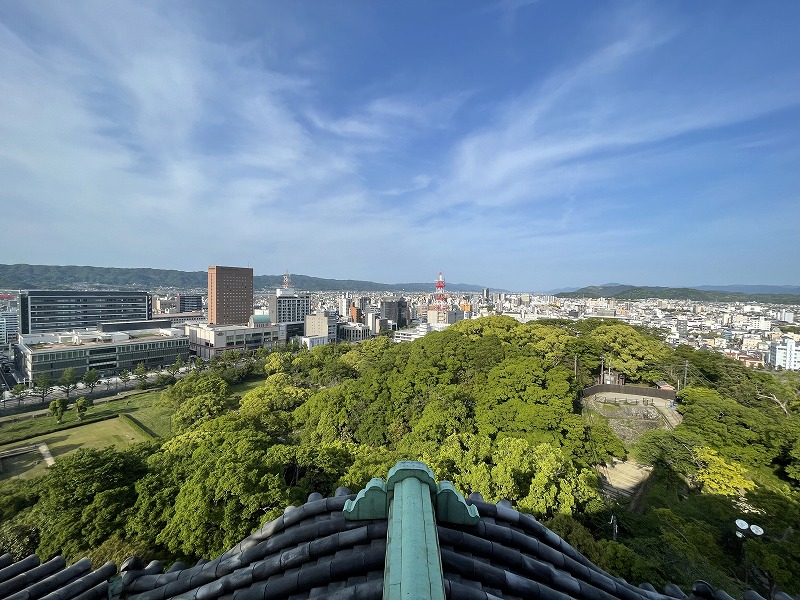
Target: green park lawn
column 64, row 438
column 112, row 432
column 242, row 388
column 142, row 407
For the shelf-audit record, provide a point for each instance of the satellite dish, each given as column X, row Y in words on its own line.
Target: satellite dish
column 739, row 534
column 742, row 524
column 756, row 530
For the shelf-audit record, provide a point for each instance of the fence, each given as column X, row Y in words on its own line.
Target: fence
column 637, row 390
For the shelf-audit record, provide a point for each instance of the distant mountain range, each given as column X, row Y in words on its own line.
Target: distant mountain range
column 68, row 277
column 21, row 276
column 752, row 289
column 786, row 295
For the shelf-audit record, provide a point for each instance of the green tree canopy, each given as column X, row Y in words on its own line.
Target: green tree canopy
column 91, row 379
column 68, row 381
column 57, row 408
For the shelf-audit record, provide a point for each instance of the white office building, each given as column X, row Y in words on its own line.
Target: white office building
column 784, row 354
column 207, row 341
column 9, row 327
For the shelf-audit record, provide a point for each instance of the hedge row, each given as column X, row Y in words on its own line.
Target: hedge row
column 134, row 422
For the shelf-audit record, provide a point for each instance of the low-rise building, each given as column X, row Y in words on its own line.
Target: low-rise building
column 109, row 352
column 312, row 341
column 207, row 341
column 354, row 332
column 421, row 330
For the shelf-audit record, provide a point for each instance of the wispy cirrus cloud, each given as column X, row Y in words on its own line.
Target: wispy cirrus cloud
column 264, row 132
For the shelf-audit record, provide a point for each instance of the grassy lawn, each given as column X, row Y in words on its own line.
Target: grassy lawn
column 22, row 465
column 141, row 407
column 112, row 432
column 246, row 386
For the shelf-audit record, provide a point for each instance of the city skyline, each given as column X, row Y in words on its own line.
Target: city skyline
column 517, row 145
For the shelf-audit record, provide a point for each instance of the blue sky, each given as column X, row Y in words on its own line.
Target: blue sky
column 513, row 144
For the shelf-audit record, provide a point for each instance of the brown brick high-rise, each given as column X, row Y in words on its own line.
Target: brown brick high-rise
column 230, row 295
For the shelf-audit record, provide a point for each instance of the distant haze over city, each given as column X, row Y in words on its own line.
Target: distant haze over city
column 516, row 145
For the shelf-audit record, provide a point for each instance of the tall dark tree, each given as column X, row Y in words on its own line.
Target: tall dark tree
column 81, row 406
column 57, row 408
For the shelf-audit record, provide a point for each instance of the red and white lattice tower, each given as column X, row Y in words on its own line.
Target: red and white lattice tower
column 441, row 297
column 286, row 282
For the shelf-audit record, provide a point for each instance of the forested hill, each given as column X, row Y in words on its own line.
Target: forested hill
column 631, row 292
column 490, row 404
column 22, row 276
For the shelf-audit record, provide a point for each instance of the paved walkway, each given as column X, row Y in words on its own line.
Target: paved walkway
column 42, row 448
column 45, row 452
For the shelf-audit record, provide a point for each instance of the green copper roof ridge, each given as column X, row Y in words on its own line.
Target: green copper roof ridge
column 451, row 507
column 413, row 502
column 370, row 503
column 413, row 566
column 373, row 501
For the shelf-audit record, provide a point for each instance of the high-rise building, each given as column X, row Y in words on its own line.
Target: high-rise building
column 43, row 310
column 395, row 309
column 356, row 314
column 9, row 327
column 230, row 295
column 288, row 307
column 344, row 305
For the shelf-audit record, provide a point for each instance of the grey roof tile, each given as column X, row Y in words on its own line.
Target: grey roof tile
column 311, row 551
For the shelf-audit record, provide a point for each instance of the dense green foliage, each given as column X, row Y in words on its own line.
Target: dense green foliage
column 490, row 404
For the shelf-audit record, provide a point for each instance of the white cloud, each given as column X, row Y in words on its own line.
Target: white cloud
column 141, row 128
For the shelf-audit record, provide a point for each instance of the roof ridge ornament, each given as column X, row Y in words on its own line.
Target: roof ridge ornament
column 412, row 501
column 374, row 500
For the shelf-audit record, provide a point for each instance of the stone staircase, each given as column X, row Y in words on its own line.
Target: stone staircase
column 621, row 479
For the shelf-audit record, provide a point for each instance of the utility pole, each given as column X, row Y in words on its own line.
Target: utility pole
column 602, row 369
column 576, row 365
column 685, row 371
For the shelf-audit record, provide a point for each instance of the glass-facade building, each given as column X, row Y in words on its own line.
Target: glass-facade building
column 42, row 311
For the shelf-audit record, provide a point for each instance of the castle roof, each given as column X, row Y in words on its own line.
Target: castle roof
column 406, row 537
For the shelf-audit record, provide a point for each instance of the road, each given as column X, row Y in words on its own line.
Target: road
column 109, row 386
